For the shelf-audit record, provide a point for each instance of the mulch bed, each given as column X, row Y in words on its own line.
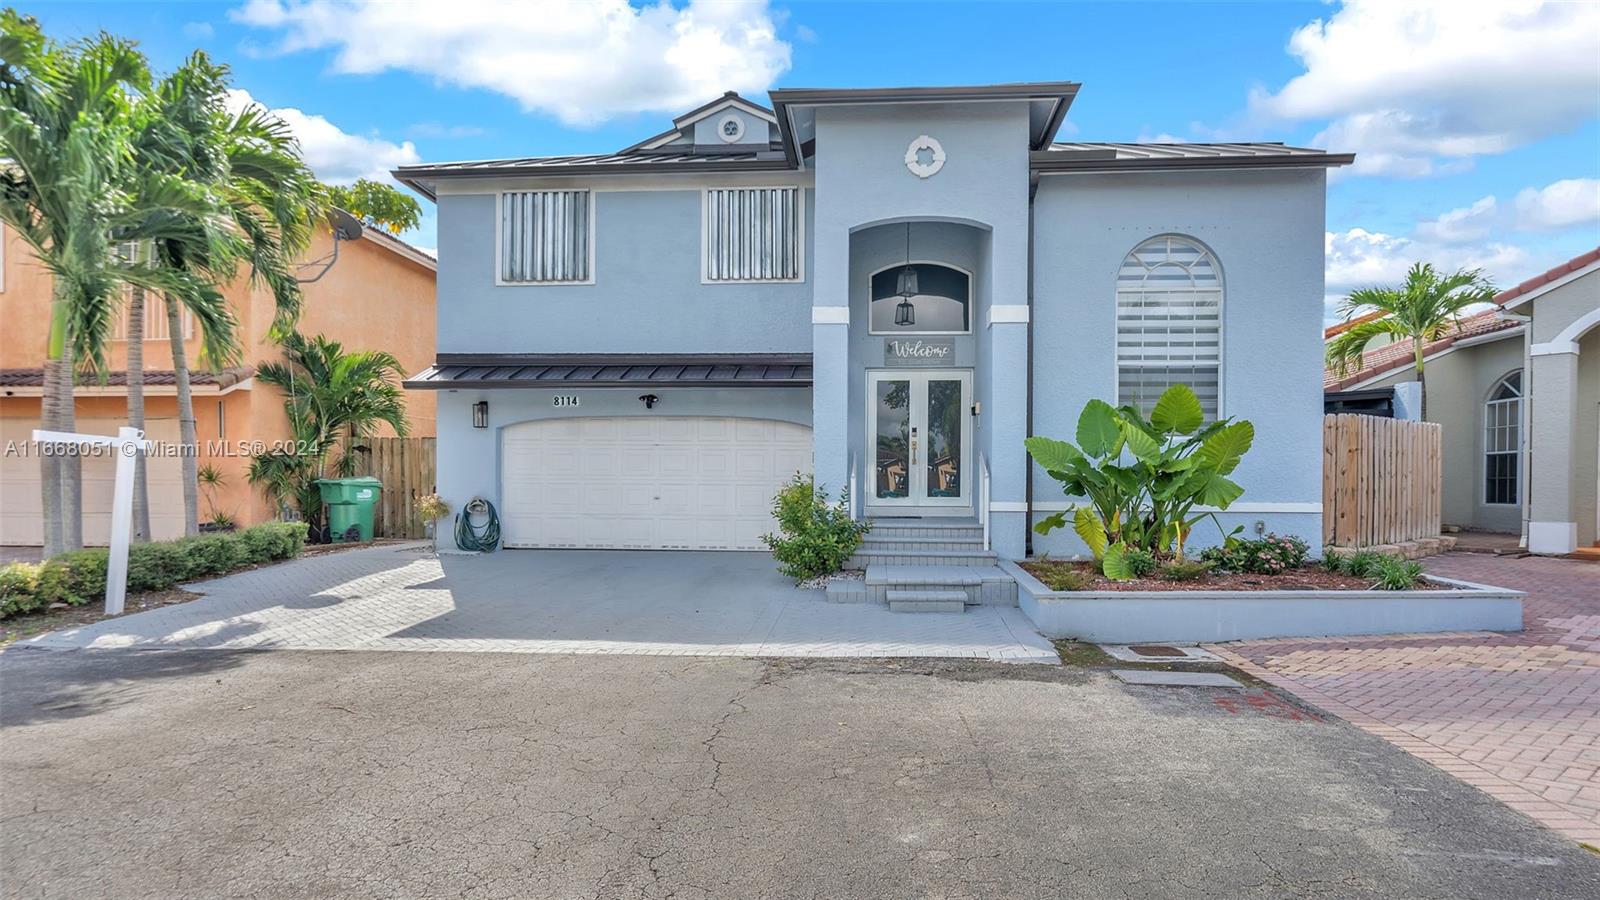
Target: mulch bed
column 1307, row 578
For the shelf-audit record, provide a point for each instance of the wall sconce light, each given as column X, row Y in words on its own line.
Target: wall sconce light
column 480, row 414
column 650, row 400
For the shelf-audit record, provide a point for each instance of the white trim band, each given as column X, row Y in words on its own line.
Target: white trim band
column 1553, row 348
column 1008, row 314
column 1266, row 506
column 830, row 315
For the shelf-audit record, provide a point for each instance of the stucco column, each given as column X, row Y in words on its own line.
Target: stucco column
column 1006, row 419
column 830, row 396
column 1552, row 522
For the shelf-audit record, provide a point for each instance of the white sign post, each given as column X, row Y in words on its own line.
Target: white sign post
column 128, row 443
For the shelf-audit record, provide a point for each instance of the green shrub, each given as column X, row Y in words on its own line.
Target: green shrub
column 814, row 537
column 79, row 577
column 1184, row 570
column 1331, row 560
column 1360, row 564
column 1395, row 574
column 1140, row 562
column 1271, row 555
column 1059, row 576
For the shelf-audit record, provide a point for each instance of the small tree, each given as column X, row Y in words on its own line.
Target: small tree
column 814, row 537
column 1143, row 477
column 1423, row 309
column 332, row 398
column 376, row 204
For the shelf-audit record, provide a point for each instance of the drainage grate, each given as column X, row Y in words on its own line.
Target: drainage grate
column 1156, row 650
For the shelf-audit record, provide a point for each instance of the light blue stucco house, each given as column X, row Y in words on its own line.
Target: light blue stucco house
column 889, row 287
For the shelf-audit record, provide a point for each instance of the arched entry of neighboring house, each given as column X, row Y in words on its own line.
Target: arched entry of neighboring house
column 646, row 482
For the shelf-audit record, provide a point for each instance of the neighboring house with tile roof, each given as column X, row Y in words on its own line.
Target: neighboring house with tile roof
column 1516, row 389
column 379, row 296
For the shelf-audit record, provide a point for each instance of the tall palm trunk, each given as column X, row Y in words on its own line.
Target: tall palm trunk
column 189, row 449
column 1422, row 383
column 61, row 467
column 141, row 488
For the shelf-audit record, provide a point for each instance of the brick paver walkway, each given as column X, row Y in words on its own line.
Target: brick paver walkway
column 550, row 601
column 1517, row 715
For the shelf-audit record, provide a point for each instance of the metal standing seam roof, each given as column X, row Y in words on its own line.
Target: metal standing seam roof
column 1082, row 155
column 614, row 370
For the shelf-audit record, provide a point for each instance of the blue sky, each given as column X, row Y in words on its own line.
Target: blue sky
column 1478, row 132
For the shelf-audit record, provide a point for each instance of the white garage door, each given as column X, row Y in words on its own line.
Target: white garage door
column 658, row 482
column 21, row 503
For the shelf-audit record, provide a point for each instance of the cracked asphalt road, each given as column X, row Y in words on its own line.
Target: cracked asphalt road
column 302, row 774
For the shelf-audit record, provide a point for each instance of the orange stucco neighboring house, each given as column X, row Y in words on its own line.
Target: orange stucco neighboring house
column 379, row 295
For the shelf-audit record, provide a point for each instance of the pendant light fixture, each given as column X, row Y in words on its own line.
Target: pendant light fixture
column 905, row 313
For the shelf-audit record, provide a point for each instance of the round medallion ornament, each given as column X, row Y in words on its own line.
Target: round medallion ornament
column 925, row 156
column 730, row 129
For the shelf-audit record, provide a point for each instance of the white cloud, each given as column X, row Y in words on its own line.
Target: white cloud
column 1463, row 225
column 198, row 30
column 1564, row 204
column 1419, row 88
column 336, row 155
column 1359, row 258
column 437, row 130
column 582, row 62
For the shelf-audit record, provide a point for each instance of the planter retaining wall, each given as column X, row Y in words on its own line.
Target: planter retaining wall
column 1128, row 617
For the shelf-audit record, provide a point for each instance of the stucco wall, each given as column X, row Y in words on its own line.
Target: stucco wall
column 1266, row 230
column 1565, row 393
column 1586, row 431
column 647, row 296
column 469, row 458
column 862, row 181
column 1458, row 383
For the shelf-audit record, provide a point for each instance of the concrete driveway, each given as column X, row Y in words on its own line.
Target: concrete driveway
column 550, row 601
column 288, row 774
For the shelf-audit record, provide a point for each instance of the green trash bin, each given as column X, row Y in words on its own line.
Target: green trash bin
column 350, row 502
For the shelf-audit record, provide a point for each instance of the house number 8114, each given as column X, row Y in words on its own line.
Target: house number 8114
column 564, row 400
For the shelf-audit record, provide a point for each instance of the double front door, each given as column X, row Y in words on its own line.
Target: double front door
column 920, row 440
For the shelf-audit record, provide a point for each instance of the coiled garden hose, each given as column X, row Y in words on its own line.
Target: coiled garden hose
column 472, row 537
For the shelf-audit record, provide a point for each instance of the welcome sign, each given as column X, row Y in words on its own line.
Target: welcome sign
column 910, row 352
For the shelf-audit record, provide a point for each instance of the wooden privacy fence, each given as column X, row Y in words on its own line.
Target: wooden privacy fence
column 405, row 466
column 1381, row 480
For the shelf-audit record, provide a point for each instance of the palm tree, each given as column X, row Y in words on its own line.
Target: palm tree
column 331, row 397
column 249, row 164
column 1423, row 309
column 66, row 187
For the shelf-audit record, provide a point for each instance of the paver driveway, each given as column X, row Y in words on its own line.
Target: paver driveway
column 1517, row 715
column 551, row 601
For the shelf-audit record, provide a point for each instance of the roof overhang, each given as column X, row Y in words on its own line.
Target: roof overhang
column 1047, row 101
column 455, row 371
column 1360, row 379
column 158, row 383
column 1056, row 162
column 424, row 179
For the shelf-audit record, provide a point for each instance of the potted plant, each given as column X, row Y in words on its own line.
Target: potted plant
column 432, row 508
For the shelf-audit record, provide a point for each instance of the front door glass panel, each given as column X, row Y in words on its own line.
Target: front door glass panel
column 945, row 417
column 893, row 454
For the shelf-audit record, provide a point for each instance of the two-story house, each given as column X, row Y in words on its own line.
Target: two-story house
column 891, row 288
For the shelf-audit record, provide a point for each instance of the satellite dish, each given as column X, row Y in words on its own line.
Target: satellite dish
column 345, row 226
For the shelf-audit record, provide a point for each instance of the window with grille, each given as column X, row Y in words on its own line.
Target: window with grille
column 1502, row 440
column 546, row 237
column 1169, row 323
column 155, row 318
column 753, row 234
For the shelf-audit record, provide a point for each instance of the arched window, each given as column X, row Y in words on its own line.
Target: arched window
column 1169, row 323
column 1502, row 440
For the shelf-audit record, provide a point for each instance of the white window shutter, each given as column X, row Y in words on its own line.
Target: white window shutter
column 752, row 234
column 544, row 237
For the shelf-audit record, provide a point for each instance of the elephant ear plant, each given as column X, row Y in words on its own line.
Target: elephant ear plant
column 1142, row 479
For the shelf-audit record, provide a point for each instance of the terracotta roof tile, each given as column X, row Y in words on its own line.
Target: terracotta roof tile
column 1537, row 281
column 1399, row 354
column 157, row 377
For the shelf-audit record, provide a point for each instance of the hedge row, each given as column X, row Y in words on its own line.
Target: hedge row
column 79, row 577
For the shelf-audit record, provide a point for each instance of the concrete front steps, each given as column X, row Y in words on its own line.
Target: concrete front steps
column 925, row 565
column 1592, row 554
